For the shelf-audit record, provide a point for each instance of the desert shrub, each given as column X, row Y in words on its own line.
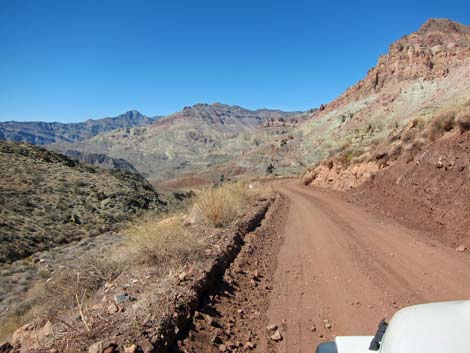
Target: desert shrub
column 395, row 151
column 418, row 123
column 441, row 123
column 308, row 178
column 164, row 243
column 463, row 120
column 367, row 156
column 81, row 280
column 345, row 158
column 409, row 135
column 223, row 205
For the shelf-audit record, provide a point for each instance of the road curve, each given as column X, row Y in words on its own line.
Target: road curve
column 341, row 270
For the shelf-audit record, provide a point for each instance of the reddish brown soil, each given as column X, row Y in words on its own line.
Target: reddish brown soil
column 430, row 193
column 339, row 271
column 190, row 181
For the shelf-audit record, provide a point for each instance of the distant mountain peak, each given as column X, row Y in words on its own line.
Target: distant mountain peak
column 437, row 48
column 443, row 25
column 42, row 133
column 134, row 112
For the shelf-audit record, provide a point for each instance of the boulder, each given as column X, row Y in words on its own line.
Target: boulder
column 30, row 337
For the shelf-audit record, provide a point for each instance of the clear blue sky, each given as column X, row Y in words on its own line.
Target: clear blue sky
column 70, row 60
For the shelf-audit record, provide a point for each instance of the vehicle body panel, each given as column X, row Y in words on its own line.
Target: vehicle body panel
column 353, row 344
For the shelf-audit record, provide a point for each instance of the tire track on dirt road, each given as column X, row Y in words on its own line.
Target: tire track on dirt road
column 341, row 270
column 320, row 267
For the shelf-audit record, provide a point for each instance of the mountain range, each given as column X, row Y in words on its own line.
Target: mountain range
column 43, row 133
column 423, row 72
column 205, row 139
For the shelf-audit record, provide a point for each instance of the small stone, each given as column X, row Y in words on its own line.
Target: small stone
column 276, row 336
column 209, row 319
column 96, row 347
column 112, row 308
column 122, row 298
column 313, row 329
column 216, row 340
column 249, row 345
column 130, row 349
column 222, row 347
column 271, row 328
column 328, row 326
column 461, row 248
column 146, row 346
column 182, row 276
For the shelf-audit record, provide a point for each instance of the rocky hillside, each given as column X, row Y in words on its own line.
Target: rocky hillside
column 399, row 140
column 42, row 133
column 101, row 160
column 422, row 72
column 47, row 199
column 215, row 139
column 437, row 48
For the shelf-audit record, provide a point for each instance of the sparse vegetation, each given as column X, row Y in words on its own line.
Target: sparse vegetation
column 441, row 123
column 48, row 199
column 223, row 205
column 162, row 244
column 65, row 288
column 165, row 243
column 463, row 120
column 406, row 141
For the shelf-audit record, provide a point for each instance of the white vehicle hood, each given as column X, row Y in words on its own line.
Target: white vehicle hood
column 353, row 344
column 429, row 328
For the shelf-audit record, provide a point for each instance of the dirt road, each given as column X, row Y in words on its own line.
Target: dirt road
column 320, row 267
column 341, row 270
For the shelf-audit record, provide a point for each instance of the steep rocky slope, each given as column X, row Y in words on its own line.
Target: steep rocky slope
column 42, row 133
column 214, row 139
column 47, row 199
column 422, row 72
column 430, row 192
column 398, row 140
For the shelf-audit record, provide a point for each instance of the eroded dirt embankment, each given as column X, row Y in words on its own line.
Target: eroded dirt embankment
column 232, row 317
column 428, row 191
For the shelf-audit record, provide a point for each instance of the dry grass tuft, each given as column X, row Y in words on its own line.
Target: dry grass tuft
column 222, row 206
column 441, row 123
column 463, row 120
column 47, row 298
column 164, row 243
